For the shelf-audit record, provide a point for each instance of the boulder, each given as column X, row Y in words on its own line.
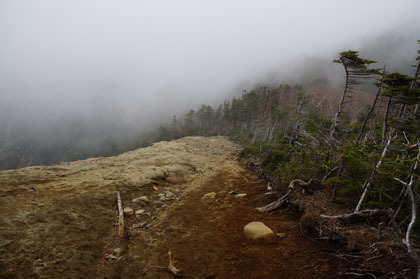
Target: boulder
column 209, row 196
column 256, row 230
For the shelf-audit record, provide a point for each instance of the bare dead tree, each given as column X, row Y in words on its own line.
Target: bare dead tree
column 367, row 184
column 408, row 241
column 297, row 125
column 385, row 122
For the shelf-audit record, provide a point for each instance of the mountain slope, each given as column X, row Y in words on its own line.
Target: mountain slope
column 60, row 221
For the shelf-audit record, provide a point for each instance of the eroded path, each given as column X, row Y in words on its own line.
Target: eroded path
column 59, row 222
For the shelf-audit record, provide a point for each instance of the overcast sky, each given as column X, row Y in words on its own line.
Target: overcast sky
column 131, row 61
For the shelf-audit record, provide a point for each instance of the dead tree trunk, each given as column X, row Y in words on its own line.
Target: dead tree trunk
column 297, row 125
column 283, row 199
column 367, row 184
column 385, row 123
column 340, row 105
column 120, row 216
column 408, row 241
column 414, row 83
column 360, row 216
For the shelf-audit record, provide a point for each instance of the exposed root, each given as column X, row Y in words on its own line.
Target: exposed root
column 171, row 267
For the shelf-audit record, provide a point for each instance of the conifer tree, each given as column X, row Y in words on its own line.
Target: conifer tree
column 356, row 70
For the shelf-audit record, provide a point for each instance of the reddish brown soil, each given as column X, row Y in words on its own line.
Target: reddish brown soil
column 215, row 246
column 65, row 227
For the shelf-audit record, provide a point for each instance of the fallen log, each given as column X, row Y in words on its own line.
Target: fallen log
column 361, row 216
column 283, row 199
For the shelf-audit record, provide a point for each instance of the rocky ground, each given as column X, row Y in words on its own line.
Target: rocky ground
column 61, row 221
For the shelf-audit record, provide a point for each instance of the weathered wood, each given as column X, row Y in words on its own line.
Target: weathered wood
column 120, row 216
column 409, row 234
column 367, row 184
column 275, row 204
column 360, row 216
column 171, row 266
column 283, row 199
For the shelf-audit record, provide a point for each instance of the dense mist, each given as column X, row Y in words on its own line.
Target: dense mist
column 76, row 74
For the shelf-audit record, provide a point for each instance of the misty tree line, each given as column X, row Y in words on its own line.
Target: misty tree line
column 365, row 161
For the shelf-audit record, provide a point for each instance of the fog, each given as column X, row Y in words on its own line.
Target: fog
column 119, row 66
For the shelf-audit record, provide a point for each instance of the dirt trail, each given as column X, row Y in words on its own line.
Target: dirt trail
column 59, row 221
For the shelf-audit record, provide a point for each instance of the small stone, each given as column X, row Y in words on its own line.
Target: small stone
column 139, row 212
column 117, row 252
column 143, row 199
column 208, row 196
column 128, row 210
column 168, row 194
column 31, row 189
column 240, row 195
column 281, row 235
column 255, row 230
column 155, row 188
column 162, row 199
column 164, row 206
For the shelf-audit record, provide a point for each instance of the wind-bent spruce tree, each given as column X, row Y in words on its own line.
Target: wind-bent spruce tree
column 356, row 69
column 372, row 108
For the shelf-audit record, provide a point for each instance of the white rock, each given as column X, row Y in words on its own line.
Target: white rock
column 139, row 212
column 208, row 196
column 128, row 210
column 242, row 195
column 168, row 194
column 255, row 230
column 142, row 198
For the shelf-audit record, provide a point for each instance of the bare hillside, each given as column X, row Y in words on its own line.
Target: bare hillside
column 61, row 221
